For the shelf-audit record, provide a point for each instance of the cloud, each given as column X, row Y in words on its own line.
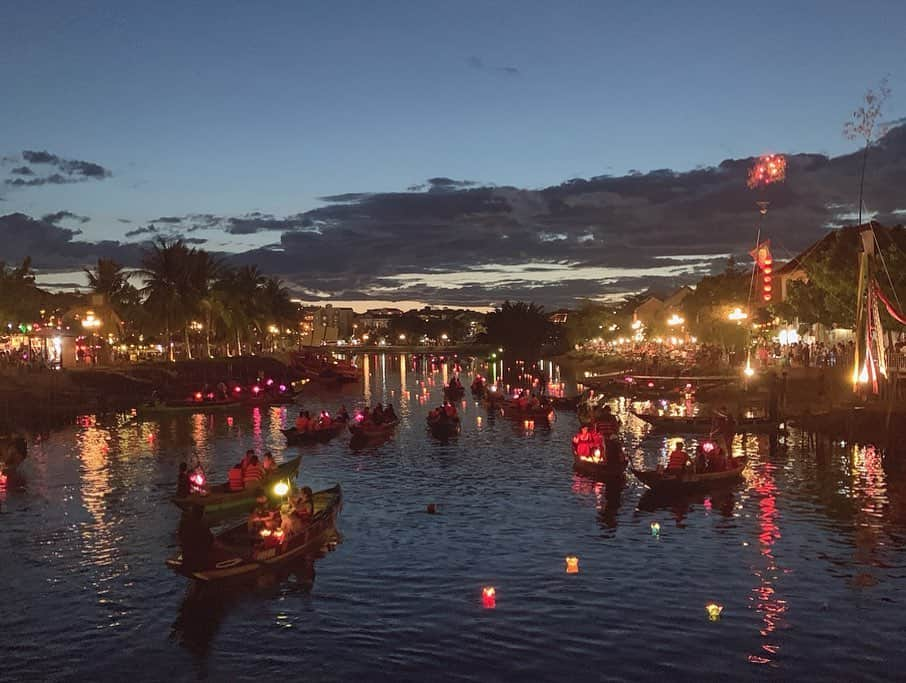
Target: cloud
column 146, row 230
column 479, row 64
column 54, row 218
column 123, row 220
column 64, row 171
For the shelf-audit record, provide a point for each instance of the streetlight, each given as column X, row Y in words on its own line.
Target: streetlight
column 737, row 314
column 402, row 337
column 91, row 325
column 675, row 320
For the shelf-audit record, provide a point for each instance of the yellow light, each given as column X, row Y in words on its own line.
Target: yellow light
column 749, row 371
column 675, row 320
column 572, row 564
column 714, row 610
column 281, row 488
column 636, row 324
column 737, row 314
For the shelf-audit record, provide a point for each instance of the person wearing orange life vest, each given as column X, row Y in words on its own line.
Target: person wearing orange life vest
column 607, row 424
column 676, row 462
column 449, row 410
column 246, row 459
column 253, row 474
column 234, row 478
column 582, row 442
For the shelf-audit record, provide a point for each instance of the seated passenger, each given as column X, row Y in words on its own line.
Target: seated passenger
column 343, row 414
column 678, row 457
column 234, row 478
column 390, row 413
column 268, row 463
column 261, row 517
column 582, row 442
column 301, row 422
column 253, row 474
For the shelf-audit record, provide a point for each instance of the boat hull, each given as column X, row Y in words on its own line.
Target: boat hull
column 221, row 503
column 663, row 482
column 295, row 438
column 232, row 563
column 704, row 425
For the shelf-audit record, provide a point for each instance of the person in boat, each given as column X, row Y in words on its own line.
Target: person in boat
column 182, row 480
column 195, row 538
column 324, row 420
column 723, row 427
column 613, row 451
column 301, row 513
column 676, row 462
column 268, row 463
column 261, row 517
column 246, row 459
column 301, row 423
column 583, row 442
column 717, row 460
column 607, row 424
column 377, row 415
column 342, row 414
column 235, row 480
column 253, row 474
column 390, row 413
column 449, row 410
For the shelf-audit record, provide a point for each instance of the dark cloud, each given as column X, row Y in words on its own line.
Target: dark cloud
column 54, row 218
column 123, row 220
column 66, row 171
column 448, row 184
column 168, row 219
column 146, row 230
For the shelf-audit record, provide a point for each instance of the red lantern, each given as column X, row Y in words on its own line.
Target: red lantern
column 489, row 597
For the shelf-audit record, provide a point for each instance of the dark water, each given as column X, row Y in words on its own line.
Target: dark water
column 806, row 557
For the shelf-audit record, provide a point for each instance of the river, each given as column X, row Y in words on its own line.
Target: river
column 806, row 556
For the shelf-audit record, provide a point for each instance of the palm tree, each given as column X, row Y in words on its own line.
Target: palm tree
column 275, row 303
column 204, row 272
column 165, row 269
column 240, row 288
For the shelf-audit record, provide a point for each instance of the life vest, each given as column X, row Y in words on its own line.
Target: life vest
column 235, row 481
column 677, row 460
column 582, row 442
column 253, row 474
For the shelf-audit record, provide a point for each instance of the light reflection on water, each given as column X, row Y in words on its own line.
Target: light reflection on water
column 807, row 551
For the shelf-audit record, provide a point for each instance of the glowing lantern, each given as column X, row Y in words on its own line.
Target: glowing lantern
column 278, row 533
column 708, row 446
column 714, row 610
column 3, row 479
column 230, row 421
column 572, row 564
column 282, row 387
column 198, row 396
column 270, row 383
column 197, row 479
column 281, row 488
column 237, row 389
column 210, row 395
column 655, row 528
column 489, row 597
column 529, row 425
column 265, row 533
column 256, row 390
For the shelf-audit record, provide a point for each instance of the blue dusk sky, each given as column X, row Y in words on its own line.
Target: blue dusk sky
column 247, row 124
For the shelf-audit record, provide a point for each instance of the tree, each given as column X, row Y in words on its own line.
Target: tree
column 520, row 328
column 866, row 125
column 592, row 319
column 275, row 305
column 166, row 273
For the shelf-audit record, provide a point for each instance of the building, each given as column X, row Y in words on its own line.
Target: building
column 377, row 318
column 647, row 311
column 559, row 317
column 326, row 325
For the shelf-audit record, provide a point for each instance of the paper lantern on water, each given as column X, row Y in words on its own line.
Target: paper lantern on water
column 714, row 610
column 432, row 508
column 572, row 564
column 655, row 528
column 489, row 597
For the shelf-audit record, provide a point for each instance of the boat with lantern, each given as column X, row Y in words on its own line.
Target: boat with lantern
column 322, row 435
column 597, row 466
column 443, row 427
column 454, row 393
column 512, row 409
column 196, row 403
column 219, row 501
column 370, row 430
column 662, row 481
column 704, row 424
column 236, row 554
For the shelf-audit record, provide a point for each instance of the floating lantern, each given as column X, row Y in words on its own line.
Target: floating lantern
column 197, row 479
column 572, row 564
column 281, row 488
column 431, row 509
column 197, row 395
column 278, row 533
column 655, row 528
column 237, row 389
column 714, row 610
column 489, row 597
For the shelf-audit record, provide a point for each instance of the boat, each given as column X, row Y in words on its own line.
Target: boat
column 240, row 556
column 444, row 427
column 13, row 450
column 323, row 435
column 219, row 501
column 189, row 405
column 369, row 430
column 598, row 467
column 454, row 393
column 704, row 424
column 664, row 482
column 512, row 409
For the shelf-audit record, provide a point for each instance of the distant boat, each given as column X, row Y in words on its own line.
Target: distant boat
column 703, row 424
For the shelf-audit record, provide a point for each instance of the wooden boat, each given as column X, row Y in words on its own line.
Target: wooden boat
column 189, row 405
column 703, row 424
column 239, row 555
column 444, row 428
column 322, row 435
column 565, row 402
column 511, row 409
column 662, row 481
column 369, row 430
column 220, row 501
column 600, row 468
column 13, row 450
column 454, row 393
